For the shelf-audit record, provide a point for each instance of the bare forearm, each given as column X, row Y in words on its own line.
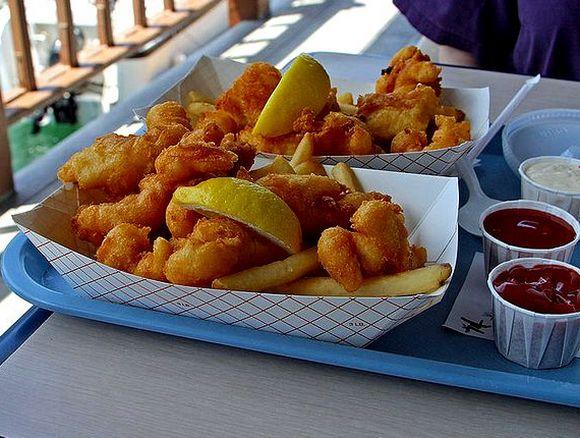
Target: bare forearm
column 451, row 55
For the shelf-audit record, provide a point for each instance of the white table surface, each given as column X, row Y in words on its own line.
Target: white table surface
column 80, row 378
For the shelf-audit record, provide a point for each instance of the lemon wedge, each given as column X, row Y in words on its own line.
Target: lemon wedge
column 304, row 85
column 248, row 203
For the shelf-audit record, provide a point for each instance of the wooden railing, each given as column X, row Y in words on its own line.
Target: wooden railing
column 78, row 66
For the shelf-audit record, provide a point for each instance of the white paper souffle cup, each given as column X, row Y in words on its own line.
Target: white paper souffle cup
column 566, row 200
column 495, row 251
column 533, row 340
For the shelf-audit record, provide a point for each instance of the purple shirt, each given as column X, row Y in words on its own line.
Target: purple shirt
column 522, row 36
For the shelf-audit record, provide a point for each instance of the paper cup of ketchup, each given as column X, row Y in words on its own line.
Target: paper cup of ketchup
column 519, row 229
column 536, row 311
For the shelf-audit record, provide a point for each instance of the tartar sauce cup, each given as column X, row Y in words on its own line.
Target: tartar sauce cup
column 532, row 190
column 495, row 251
column 533, row 340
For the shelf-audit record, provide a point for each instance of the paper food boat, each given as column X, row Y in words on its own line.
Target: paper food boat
column 212, row 76
column 430, row 204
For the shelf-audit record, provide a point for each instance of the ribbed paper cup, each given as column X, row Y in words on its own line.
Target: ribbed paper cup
column 566, row 200
column 533, row 340
column 495, row 251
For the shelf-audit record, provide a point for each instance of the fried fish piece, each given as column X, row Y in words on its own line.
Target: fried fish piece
column 318, row 201
column 180, row 221
column 216, row 247
column 281, row 145
column 167, row 113
column 152, row 263
column 145, row 209
column 313, row 198
column 338, row 256
column 127, row 248
column 409, row 140
column 176, row 165
column 408, row 68
column 249, row 93
column 449, row 132
column 123, row 246
column 245, row 151
column 185, row 161
column 111, row 163
column 377, row 245
column 116, row 163
column 212, row 127
column 449, row 110
column 339, row 134
column 334, row 134
column 388, row 114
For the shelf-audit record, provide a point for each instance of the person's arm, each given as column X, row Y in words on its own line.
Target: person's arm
column 451, row 55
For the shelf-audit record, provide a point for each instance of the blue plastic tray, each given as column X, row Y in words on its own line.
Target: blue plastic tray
column 420, row 349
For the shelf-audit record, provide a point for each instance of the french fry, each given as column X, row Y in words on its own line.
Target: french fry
column 310, row 167
column 342, row 173
column 345, row 98
column 348, row 109
column 418, row 281
column 303, row 151
column 263, row 278
column 279, row 165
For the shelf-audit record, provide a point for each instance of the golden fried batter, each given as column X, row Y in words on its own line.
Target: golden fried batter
column 340, row 134
column 180, row 221
column 388, row 114
column 212, row 127
column 176, row 165
column 449, row 132
column 337, row 254
column 282, row 144
column 447, row 110
column 152, row 264
column 409, row 140
column 146, row 209
column 111, row 163
column 217, row 247
column 318, row 202
column 167, row 113
column 245, row 151
column 115, row 163
column 378, row 245
column 408, row 68
column 249, row 93
column 123, row 246
column 184, row 162
column 335, row 134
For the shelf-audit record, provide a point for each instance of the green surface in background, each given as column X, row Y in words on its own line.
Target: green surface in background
column 26, row 146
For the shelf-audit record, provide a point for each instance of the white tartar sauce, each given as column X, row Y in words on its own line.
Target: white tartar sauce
column 556, row 175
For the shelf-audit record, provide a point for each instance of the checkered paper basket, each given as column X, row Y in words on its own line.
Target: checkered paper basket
column 357, row 321
column 212, row 76
column 353, row 321
column 436, row 162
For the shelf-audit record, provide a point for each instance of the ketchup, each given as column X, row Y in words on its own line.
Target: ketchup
column 552, row 289
column 529, row 228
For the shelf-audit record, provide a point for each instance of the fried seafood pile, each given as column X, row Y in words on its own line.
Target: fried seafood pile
column 348, row 235
column 404, row 114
